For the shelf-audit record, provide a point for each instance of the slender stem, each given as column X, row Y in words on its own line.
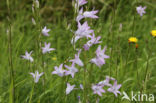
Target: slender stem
column 84, row 81
column 10, row 55
column 147, row 66
column 136, row 61
column 39, row 42
column 32, row 91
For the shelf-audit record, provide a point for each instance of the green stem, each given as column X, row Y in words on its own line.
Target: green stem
column 12, row 87
column 84, row 81
column 32, row 91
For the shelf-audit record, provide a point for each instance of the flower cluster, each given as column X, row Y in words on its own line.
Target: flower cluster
column 70, row 70
column 83, row 31
column 99, row 60
column 45, row 49
column 99, row 88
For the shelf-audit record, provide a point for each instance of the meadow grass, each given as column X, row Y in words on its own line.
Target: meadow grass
column 133, row 68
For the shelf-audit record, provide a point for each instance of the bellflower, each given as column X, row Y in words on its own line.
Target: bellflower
column 77, row 60
column 100, row 57
column 47, row 48
column 36, row 76
column 33, row 21
column 59, row 71
column 80, row 15
column 69, row 88
column 81, row 86
column 94, row 40
column 115, row 88
column 82, row 31
column 90, row 14
column 98, row 89
column 86, row 14
column 80, row 3
column 71, row 70
column 101, row 52
column 27, row 56
column 141, row 10
column 98, row 61
column 106, row 82
column 45, row 31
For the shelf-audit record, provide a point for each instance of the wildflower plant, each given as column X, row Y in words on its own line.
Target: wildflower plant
column 53, row 58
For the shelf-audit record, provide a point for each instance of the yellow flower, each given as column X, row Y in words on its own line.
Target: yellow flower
column 153, row 33
column 132, row 40
column 54, row 58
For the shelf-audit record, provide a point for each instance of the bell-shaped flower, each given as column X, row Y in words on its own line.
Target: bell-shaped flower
column 98, row 89
column 77, row 59
column 101, row 52
column 45, row 31
column 141, row 10
column 91, row 14
column 47, row 48
column 86, row 14
column 71, row 70
column 80, row 3
column 59, row 71
column 106, row 82
column 36, row 76
column 115, row 88
column 94, row 40
column 100, row 56
column 27, row 56
column 98, row 61
column 69, row 88
column 82, row 31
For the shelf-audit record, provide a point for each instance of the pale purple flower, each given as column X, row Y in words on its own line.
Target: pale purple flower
column 106, row 82
column 59, row 71
column 33, row 21
column 80, row 15
column 141, row 10
column 71, row 70
column 86, row 47
column 47, row 48
column 69, row 88
column 100, row 57
column 98, row 61
column 111, row 78
column 81, row 86
column 82, row 31
column 77, row 60
column 98, row 89
column 86, row 14
column 36, row 76
column 94, row 40
column 101, row 52
column 45, row 31
column 80, row 3
column 27, row 56
column 115, row 88
column 90, row 14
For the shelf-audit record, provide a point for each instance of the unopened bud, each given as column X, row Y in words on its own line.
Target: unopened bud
column 37, row 4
